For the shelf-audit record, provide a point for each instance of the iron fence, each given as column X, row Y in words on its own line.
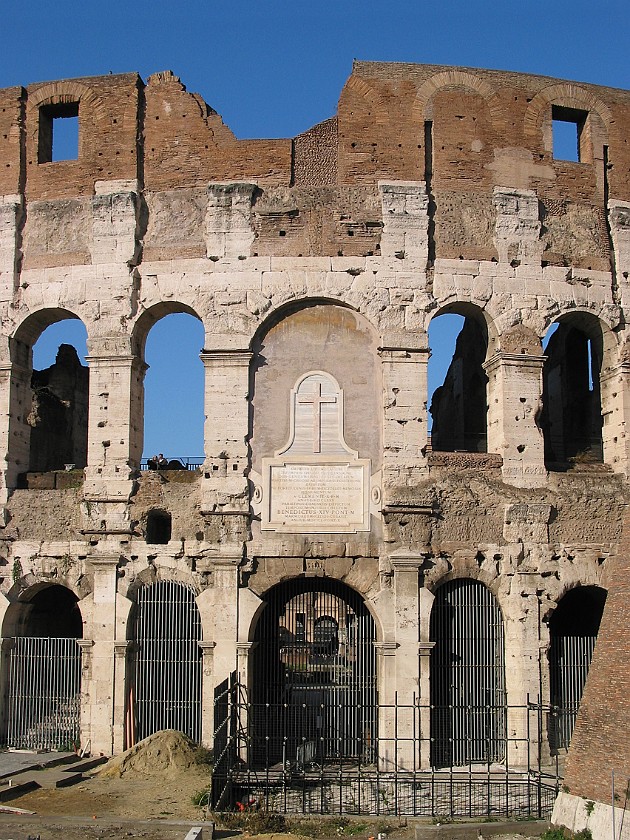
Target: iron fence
column 44, row 693
column 178, row 462
column 390, row 776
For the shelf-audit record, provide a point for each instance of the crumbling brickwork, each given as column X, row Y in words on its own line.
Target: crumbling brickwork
column 316, row 265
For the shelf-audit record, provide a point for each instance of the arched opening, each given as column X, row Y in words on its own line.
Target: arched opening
column 573, row 630
column 313, row 685
column 571, row 418
column 159, row 526
column 43, row 683
column 174, row 389
column 165, row 682
column 468, row 717
column 53, row 345
column 458, row 402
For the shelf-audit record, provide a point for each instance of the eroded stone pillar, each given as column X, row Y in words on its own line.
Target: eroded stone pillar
column 404, row 413
column 116, row 418
column 229, row 231
column 514, row 399
column 226, row 430
column 615, row 398
column 15, row 432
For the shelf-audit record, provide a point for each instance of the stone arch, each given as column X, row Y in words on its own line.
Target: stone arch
column 48, row 410
column 459, row 406
column 42, row 679
column 573, row 629
column 315, row 335
column 454, row 79
column 581, row 349
column 151, row 315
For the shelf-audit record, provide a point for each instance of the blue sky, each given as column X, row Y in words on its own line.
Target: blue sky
column 272, row 68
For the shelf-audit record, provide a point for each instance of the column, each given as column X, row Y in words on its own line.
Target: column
column 514, row 400
column 405, row 432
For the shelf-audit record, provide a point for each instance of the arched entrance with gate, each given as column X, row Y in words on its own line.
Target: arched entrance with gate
column 43, row 670
column 468, row 702
column 573, row 629
column 165, row 679
column 313, row 676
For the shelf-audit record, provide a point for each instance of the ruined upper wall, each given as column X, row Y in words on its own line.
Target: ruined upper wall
column 463, row 132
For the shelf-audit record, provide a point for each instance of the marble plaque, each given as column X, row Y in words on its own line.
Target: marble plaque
column 323, row 497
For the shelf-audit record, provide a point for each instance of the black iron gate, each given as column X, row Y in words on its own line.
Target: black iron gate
column 313, row 676
column 165, row 692
column 44, row 700
column 468, row 722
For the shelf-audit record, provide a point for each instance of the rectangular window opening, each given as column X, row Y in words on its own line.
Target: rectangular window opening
column 567, row 127
column 58, row 132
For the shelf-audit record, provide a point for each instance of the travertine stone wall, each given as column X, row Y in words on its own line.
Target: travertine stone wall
column 432, row 190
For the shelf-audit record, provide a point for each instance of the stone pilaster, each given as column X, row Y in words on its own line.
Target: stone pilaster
column 405, row 206
column 100, row 681
column 514, row 389
column 386, row 684
column 207, row 693
column 115, row 209
column 87, row 664
column 517, row 227
column 121, row 725
column 229, row 231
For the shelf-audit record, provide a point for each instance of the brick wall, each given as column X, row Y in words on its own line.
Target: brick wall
column 603, row 717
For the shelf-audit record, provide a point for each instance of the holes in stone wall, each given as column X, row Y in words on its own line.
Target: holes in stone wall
column 567, row 129
column 159, row 527
column 58, row 137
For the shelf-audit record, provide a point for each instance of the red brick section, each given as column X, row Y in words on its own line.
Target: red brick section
column 601, row 740
column 108, row 129
column 11, row 123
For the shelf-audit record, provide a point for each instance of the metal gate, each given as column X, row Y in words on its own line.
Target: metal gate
column 570, row 658
column 313, row 676
column 468, row 720
column 44, row 699
column 166, row 689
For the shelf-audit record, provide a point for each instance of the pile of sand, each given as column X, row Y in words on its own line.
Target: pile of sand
column 163, row 753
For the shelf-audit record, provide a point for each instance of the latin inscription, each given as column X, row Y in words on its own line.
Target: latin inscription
column 317, row 496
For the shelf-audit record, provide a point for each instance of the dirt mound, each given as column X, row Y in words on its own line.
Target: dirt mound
column 163, row 753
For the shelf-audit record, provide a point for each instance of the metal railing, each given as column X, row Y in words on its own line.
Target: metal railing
column 178, row 462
